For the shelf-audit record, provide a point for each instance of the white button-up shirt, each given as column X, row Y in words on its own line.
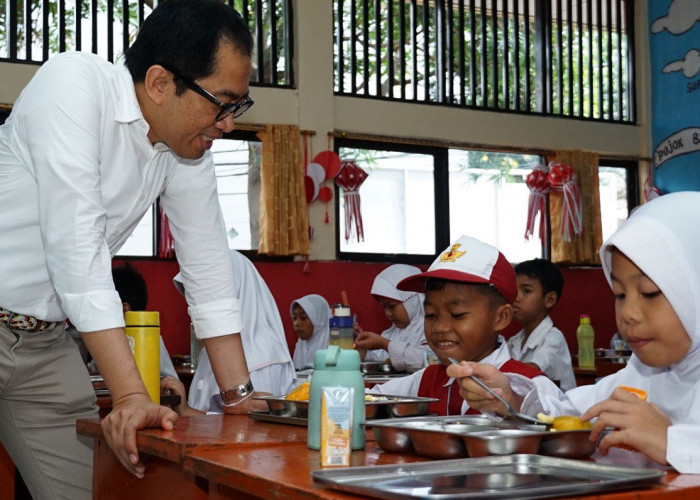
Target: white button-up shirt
column 78, row 172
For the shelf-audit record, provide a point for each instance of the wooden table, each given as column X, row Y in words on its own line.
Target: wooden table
column 234, row 457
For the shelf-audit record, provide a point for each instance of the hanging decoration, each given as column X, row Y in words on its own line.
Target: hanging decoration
column 325, row 195
column 538, row 183
column 350, row 178
column 166, row 244
column 563, row 178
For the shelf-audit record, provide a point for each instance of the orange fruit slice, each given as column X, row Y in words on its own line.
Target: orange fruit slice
column 637, row 392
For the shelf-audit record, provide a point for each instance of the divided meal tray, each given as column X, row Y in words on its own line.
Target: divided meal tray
column 383, row 406
column 495, row 477
column 477, row 436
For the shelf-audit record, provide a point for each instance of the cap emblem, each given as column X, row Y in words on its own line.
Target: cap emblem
column 452, row 254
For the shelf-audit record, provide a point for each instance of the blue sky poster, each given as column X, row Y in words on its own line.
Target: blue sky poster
column 674, row 39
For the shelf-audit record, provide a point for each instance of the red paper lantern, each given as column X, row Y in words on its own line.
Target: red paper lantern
column 350, row 178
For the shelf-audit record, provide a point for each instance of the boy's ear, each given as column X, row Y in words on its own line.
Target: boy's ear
column 550, row 299
column 504, row 315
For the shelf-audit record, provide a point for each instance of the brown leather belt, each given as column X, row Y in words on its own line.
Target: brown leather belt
column 25, row 322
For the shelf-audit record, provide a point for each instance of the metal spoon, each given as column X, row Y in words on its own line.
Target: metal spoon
column 509, row 407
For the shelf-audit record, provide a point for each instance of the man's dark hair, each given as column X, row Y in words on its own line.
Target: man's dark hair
column 490, row 291
column 131, row 287
column 184, row 36
column 543, row 270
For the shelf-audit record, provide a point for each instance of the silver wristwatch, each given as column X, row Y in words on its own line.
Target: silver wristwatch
column 236, row 395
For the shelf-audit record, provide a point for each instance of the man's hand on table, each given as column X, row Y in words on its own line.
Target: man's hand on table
column 128, row 415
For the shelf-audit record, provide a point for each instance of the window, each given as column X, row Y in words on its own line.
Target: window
column 573, row 58
column 237, row 159
column 400, row 187
column 618, row 193
column 489, row 199
column 416, row 200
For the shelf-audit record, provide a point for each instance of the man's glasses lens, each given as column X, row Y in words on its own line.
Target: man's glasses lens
column 235, row 108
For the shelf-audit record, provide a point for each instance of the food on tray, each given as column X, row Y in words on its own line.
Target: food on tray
column 564, row 422
column 371, row 398
column 299, row 393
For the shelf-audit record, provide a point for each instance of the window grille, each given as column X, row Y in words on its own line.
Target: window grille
column 31, row 31
column 572, row 58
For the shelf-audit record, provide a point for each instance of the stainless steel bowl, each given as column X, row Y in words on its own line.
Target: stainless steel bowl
column 432, row 440
column 568, row 444
column 501, row 442
column 388, row 406
column 392, row 438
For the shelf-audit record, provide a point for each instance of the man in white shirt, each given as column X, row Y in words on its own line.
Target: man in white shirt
column 87, row 149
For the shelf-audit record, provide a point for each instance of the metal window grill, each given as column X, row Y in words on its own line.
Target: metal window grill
column 572, row 58
column 31, row 31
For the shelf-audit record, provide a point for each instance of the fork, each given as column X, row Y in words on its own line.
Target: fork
column 509, row 407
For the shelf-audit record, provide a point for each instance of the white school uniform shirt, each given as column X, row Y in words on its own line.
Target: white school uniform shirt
column 78, row 173
column 262, row 335
column 318, row 311
column 547, row 348
column 408, row 349
column 661, row 239
column 408, row 385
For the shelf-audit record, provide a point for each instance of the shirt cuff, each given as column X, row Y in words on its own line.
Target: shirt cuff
column 215, row 319
column 93, row 311
column 684, row 457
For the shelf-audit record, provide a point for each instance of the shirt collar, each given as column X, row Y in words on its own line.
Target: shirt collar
column 128, row 109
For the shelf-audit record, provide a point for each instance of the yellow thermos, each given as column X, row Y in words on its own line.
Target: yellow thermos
column 143, row 334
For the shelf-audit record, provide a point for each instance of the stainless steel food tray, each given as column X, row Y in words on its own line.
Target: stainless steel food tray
column 512, row 476
column 266, row 416
column 476, row 436
column 387, row 407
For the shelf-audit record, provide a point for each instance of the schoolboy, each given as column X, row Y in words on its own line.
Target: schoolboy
column 469, row 290
column 652, row 263
column 540, row 343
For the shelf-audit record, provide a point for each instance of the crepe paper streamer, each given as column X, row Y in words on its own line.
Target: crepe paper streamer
column 538, row 183
column 166, row 247
column 325, row 194
column 563, row 178
column 330, row 162
column 350, row 178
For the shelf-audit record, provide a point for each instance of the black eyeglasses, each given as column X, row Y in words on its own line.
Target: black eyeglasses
column 232, row 108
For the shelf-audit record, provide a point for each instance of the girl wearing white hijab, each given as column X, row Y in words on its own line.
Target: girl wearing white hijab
column 653, row 266
column 262, row 335
column 310, row 315
column 404, row 341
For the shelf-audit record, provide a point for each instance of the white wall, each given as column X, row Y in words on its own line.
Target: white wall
column 313, row 107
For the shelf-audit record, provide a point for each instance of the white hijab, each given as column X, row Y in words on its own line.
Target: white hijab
column 318, row 311
column 262, row 333
column 384, row 285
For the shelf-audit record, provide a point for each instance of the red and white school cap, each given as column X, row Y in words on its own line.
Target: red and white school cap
column 468, row 260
